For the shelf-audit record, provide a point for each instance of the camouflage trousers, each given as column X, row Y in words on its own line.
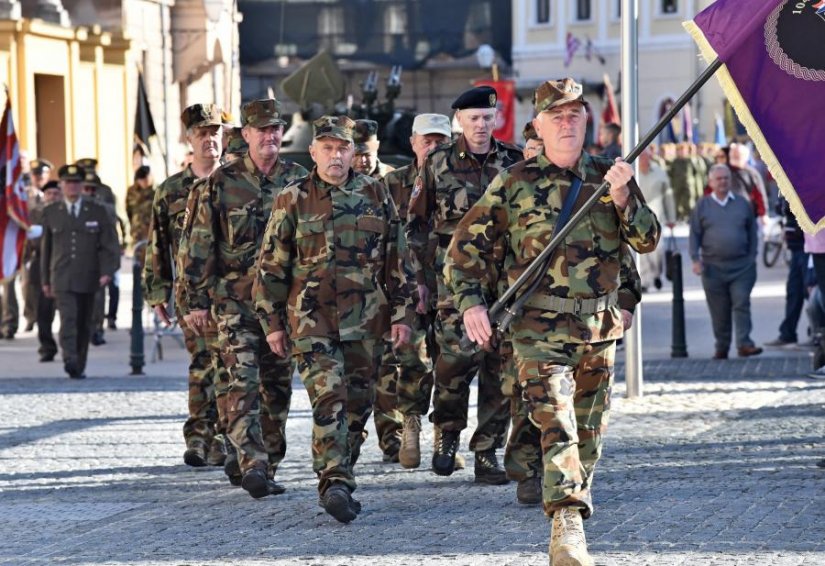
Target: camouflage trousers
column 454, row 371
column 388, row 419
column 340, row 380
column 260, row 388
column 415, row 368
column 522, row 456
column 206, row 375
column 567, row 390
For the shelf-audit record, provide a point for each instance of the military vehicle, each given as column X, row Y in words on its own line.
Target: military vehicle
column 319, row 87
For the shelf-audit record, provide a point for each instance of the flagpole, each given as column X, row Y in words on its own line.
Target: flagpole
column 634, row 370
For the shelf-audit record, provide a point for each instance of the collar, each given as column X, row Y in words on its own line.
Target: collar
column 78, row 202
column 722, row 202
column 578, row 170
column 252, row 169
column 464, row 151
column 321, row 184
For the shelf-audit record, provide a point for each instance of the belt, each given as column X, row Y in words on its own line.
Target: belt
column 575, row 305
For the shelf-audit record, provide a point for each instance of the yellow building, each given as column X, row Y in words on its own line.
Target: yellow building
column 72, row 70
column 668, row 59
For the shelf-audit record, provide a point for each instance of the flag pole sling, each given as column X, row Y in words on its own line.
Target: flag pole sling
column 498, row 310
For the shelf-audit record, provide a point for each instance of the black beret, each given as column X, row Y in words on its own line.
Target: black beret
column 51, row 185
column 477, row 97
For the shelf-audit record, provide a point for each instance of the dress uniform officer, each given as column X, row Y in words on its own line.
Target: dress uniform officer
column 79, row 254
column 40, row 171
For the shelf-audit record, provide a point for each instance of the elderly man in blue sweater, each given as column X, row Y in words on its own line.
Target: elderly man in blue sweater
column 723, row 249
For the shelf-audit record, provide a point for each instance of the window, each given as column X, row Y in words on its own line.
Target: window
column 542, row 11
column 670, row 6
column 583, row 10
column 395, row 19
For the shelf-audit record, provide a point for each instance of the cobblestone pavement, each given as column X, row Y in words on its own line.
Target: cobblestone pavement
column 714, row 465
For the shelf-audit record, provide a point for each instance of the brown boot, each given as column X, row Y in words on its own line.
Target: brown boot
column 410, row 453
column 568, row 546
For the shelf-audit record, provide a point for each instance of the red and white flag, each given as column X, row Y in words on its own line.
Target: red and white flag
column 573, row 45
column 14, row 211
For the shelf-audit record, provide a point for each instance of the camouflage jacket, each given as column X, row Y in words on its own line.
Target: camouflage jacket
column 521, row 207
column 165, row 231
column 330, row 263
column 381, row 170
column 139, row 211
column 233, row 208
column 451, row 182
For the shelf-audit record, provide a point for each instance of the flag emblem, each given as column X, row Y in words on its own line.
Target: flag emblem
column 789, row 33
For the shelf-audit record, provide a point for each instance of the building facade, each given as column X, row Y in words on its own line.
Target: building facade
column 668, row 59
column 72, row 71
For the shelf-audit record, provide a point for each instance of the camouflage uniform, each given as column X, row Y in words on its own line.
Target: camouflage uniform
column 139, row 211
column 329, row 273
column 159, row 285
column 564, row 355
column 411, row 368
column 451, row 181
column 227, row 229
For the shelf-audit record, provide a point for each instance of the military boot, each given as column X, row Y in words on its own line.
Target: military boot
column 487, row 469
column 258, row 485
column 568, row 546
column 195, row 455
column 410, row 453
column 217, row 451
column 338, row 502
column 231, row 466
column 444, row 451
column 528, row 491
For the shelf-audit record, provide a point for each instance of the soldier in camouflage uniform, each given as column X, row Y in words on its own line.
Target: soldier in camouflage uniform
column 565, row 340
column 139, row 198
column 232, row 211
column 453, row 178
column 410, row 371
column 365, row 160
column 204, row 439
column 330, row 274
column 236, row 146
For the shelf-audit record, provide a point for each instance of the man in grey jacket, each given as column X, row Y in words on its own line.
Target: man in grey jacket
column 723, row 249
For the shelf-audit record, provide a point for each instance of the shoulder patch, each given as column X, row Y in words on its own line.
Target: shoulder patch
column 419, row 184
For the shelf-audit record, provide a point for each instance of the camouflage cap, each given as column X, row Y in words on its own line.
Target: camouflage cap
column 201, row 115
column 432, row 124
column 364, row 131
column 262, row 113
column 39, row 166
column 70, row 173
column 555, row 93
column 87, row 163
column 530, row 132
column 340, row 127
column 236, row 143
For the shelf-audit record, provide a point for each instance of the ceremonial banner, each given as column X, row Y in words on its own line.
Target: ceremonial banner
column 14, row 215
column 773, row 73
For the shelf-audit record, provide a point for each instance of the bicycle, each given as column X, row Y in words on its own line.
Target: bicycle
column 773, row 240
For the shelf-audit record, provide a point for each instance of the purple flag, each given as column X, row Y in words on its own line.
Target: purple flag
column 774, row 76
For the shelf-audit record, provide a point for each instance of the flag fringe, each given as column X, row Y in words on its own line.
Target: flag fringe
column 754, row 131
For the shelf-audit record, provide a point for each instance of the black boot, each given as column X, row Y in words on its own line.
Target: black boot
column 446, row 446
column 338, row 502
column 258, row 485
column 231, row 467
column 487, row 469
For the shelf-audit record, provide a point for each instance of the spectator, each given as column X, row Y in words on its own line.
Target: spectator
column 683, row 179
column 655, row 185
column 795, row 284
column 746, row 180
column 815, row 245
column 723, row 249
column 609, row 135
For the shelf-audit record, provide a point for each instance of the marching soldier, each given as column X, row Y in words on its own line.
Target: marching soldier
column 365, row 160
column 565, row 340
column 233, row 208
column 44, row 318
column 79, row 255
column 201, row 431
column 330, row 275
column 40, row 170
column 452, row 180
column 139, row 198
column 410, row 372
